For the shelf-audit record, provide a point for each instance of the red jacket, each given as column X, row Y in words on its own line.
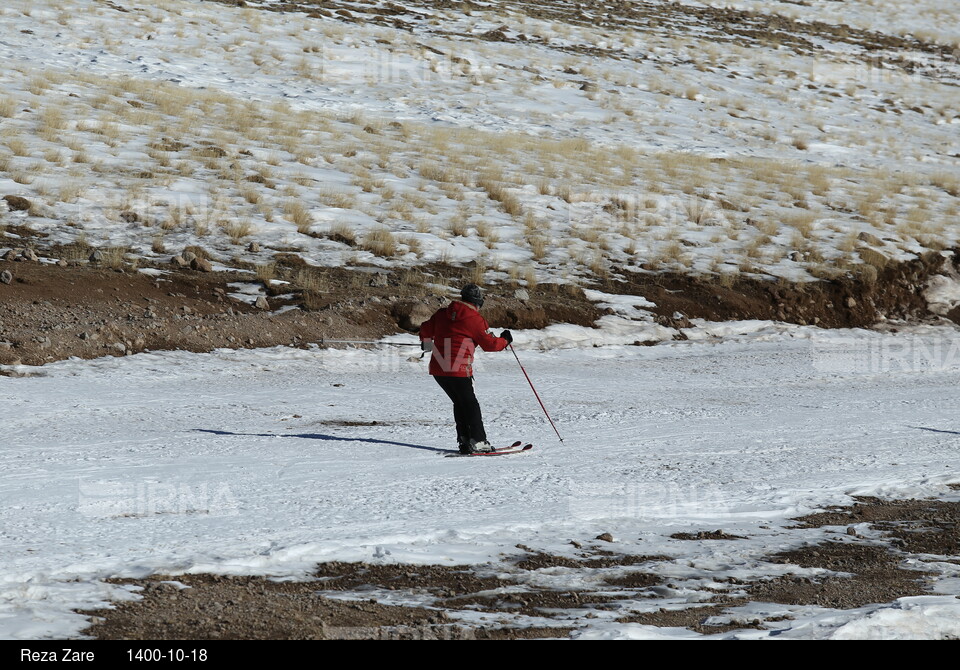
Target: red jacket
column 456, row 330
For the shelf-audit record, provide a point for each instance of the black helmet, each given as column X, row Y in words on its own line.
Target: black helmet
column 471, row 293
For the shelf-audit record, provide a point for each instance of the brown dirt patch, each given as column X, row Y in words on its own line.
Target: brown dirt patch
column 706, row 535
column 532, row 603
column 253, row 608
column 539, row 561
column 442, row 581
column 853, row 572
column 241, row 608
column 635, row 580
column 915, row 526
column 692, row 618
column 876, row 576
column 861, row 572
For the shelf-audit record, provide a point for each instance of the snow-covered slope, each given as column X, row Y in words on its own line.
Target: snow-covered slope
column 544, row 141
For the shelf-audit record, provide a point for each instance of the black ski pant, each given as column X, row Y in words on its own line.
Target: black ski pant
column 466, row 408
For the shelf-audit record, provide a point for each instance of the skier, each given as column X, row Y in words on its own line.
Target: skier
column 452, row 334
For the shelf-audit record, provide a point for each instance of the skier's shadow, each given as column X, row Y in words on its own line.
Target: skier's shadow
column 328, row 438
column 936, row 430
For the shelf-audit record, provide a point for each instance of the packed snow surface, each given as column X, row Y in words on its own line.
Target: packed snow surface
column 270, row 461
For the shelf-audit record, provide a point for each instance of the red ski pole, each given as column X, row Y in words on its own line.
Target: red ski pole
column 535, row 393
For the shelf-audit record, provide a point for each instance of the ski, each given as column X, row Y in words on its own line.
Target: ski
column 504, row 452
column 514, row 448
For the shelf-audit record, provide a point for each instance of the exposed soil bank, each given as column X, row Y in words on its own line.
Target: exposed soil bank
column 847, row 301
column 51, row 312
column 854, row 571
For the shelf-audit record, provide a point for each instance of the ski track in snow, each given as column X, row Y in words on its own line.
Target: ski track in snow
column 240, row 462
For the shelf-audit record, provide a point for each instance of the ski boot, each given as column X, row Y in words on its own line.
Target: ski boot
column 480, row 447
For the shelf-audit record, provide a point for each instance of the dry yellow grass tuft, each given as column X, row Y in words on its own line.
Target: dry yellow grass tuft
column 499, row 191
column 380, row 241
column 237, row 230
column 949, row 182
column 342, row 232
column 114, row 258
column 299, row 215
column 8, row 107
column 873, row 258
column 312, row 280
column 266, row 272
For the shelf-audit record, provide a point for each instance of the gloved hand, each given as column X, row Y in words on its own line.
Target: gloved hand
column 426, row 345
column 508, row 336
